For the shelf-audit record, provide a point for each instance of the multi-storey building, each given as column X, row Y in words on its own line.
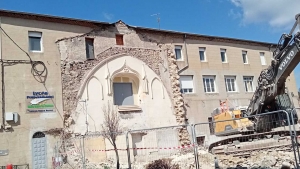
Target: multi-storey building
column 155, row 77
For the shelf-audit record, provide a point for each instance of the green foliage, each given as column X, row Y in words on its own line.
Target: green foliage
column 162, row 164
column 106, row 167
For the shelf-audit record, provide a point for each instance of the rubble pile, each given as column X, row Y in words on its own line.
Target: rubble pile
column 263, row 159
column 74, row 160
column 272, row 158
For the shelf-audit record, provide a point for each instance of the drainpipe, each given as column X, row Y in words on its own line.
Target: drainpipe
column 0, row 41
column 187, row 58
column 2, row 81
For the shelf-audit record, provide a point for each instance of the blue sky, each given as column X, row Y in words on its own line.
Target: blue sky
column 259, row 20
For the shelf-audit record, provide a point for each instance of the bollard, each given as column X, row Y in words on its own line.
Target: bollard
column 9, row 166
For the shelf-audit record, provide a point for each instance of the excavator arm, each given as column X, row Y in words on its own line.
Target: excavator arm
column 271, row 81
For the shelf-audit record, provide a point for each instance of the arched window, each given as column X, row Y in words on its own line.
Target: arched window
column 38, row 135
column 125, row 89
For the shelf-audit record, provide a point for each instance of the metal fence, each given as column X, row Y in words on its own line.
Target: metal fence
column 267, row 140
column 267, row 146
column 21, row 166
column 157, row 143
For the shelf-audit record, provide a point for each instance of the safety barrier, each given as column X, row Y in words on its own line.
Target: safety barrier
column 270, row 141
column 271, row 144
column 21, row 166
column 158, row 143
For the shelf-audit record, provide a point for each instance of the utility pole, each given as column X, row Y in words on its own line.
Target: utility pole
column 3, row 94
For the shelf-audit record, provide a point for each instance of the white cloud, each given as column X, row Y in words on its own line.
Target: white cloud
column 234, row 15
column 278, row 14
column 108, row 16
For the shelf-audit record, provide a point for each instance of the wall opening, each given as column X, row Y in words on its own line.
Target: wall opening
column 211, row 125
column 200, row 140
column 119, row 39
column 89, row 47
column 39, row 151
column 125, row 90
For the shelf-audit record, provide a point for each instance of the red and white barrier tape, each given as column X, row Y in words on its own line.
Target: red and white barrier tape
column 145, row 148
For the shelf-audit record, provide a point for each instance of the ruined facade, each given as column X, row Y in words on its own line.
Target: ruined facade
column 155, row 78
column 148, row 67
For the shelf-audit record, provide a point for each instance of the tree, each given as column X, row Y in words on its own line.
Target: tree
column 111, row 127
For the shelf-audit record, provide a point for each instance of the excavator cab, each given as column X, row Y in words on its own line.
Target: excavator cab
column 229, row 121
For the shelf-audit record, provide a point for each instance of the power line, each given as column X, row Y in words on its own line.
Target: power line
column 34, row 71
column 15, row 43
column 34, row 64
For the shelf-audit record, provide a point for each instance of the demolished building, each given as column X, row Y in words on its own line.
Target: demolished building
column 155, row 78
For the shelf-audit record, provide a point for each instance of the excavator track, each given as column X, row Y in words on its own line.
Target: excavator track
column 242, row 145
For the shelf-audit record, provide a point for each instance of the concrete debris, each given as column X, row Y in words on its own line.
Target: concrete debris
column 264, row 159
column 267, row 159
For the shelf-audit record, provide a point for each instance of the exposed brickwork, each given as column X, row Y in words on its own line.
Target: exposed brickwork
column 148, row 56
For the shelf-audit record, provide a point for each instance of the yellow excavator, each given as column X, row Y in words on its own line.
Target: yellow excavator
column 231, row 121
column 244, row 130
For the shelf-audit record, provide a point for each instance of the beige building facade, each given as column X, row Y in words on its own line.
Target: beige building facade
column 155, row 78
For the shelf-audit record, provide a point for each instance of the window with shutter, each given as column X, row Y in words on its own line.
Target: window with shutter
column 178, row 52
column 202, row 54
column 119, row 40
column 186, row 84
column 35, row 41
column 245, row 58
column 223, row 55
column 89, row 48
column 262, row 58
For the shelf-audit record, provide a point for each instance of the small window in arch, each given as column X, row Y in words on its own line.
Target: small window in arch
column 119, row 39
column 38, row 135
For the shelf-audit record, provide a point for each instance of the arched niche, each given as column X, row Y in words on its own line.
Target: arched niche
column 125, row 89
column 157, row 88
column 92, row 83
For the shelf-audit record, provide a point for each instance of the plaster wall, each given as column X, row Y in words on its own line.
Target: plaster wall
column 202, row 104
column 19, row 81
column 97, row 94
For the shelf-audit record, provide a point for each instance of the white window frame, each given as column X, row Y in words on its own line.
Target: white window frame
column 35, row 34
column 189, row 82
column 225, row 55
column 246, row 80
column 204, row 53
column 205, row 87
column 234, row 83
column 245, row 57
column 181, row 53
column 262, row 58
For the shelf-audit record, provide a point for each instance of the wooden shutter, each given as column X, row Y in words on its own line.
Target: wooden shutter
column 89, row 48
column 119, row 40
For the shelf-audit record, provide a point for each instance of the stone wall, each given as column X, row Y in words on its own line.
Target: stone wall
column 73, row 72
column 75, row 69
column 178, row 101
